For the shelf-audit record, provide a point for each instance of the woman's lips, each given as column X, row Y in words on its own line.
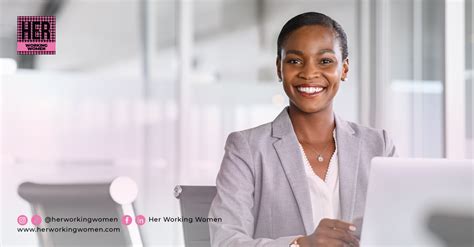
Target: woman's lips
column 309, row 91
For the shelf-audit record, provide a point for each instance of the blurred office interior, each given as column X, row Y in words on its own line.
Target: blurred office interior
column 151, row 89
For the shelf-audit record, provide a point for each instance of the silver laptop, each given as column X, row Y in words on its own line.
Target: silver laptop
column 419, row 202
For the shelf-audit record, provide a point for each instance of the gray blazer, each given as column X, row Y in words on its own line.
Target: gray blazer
column 262, row 192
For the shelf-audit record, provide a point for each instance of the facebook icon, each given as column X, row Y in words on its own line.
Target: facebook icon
column 126, row 220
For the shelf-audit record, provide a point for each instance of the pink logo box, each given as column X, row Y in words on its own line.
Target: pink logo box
column 36, row 35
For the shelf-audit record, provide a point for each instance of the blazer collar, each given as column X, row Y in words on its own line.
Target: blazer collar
column 282, row 125
column 348, row 148
column 290, row 157
column 289, row 154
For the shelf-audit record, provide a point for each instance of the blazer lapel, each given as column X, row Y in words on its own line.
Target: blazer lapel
column 290, row 157
column 348, row 155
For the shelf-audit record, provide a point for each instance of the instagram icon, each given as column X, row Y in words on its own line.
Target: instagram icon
column 22, row 220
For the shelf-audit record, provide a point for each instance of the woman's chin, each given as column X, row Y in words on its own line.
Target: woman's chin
column 308, row 109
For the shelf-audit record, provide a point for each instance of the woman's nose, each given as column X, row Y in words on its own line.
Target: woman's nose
column 309, row 71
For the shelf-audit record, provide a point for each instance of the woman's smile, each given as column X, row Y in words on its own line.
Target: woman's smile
column 310, row 91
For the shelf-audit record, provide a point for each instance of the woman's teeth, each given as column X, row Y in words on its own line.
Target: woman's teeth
column 310, row 90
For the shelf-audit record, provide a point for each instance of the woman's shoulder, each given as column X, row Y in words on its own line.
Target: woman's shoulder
column 259, row 132
column 360, row 129
column 373, row 137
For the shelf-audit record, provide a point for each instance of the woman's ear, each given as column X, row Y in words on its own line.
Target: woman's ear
column 345, row 69
column 278, row 65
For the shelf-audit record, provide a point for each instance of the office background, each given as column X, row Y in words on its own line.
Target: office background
column 150, row 89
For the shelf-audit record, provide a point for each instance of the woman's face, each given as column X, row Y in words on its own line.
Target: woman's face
column 311, row 68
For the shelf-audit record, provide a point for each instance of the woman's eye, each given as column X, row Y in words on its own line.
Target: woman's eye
column 326, row 61
column 294, row 61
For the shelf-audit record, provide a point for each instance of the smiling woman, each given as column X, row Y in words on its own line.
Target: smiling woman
column 311, row 66
column 300, row 180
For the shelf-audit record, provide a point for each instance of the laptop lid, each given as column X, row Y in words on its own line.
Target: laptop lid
column 407, row 197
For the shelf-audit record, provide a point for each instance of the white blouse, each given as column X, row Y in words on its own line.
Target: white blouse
column 324, row 194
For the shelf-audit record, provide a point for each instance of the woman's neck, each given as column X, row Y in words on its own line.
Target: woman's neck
column 312, row 128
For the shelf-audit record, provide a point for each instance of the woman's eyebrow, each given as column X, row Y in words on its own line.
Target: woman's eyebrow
column 297, row 52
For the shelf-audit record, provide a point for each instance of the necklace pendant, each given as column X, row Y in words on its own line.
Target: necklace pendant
column 320, row 158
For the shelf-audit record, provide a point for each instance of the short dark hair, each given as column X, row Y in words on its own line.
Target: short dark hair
column 313, row 18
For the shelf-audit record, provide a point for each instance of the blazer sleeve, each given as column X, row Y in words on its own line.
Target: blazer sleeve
column 234, row 201
column 390, row 149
